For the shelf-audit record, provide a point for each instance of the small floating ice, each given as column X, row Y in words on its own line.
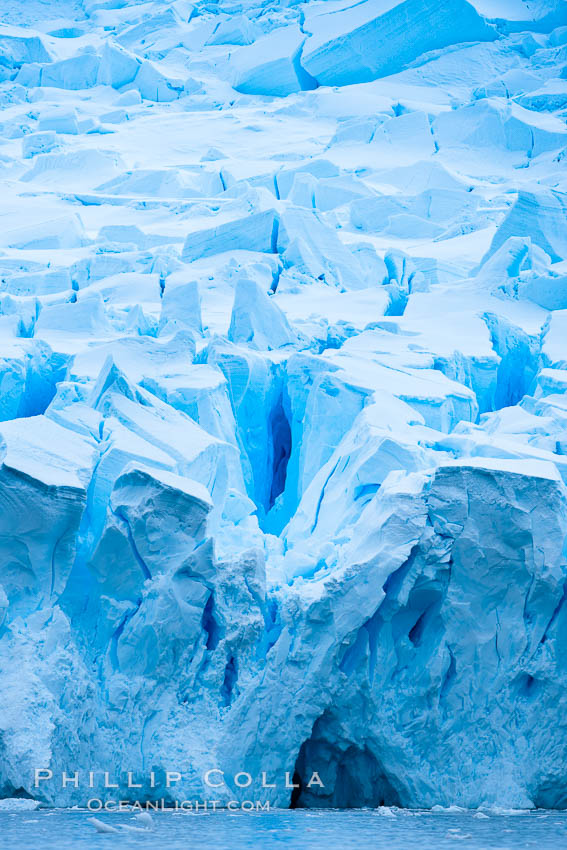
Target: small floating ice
column 145, row 819
column 144, row 823
column 100, row 826
column 18, row 804
column 448, row 810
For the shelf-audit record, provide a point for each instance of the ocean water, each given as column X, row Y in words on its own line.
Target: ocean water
column 301, row 829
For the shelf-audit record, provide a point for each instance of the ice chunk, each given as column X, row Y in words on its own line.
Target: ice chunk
column 18, row 804
column 324, row 195
column 84, row 315
column 44, row 473
column 117, row 67
column 146, row 506
column 312, row 247
column 256, row 318
column 103, row 827
column 200, row 391
column 165, row 183
column 18, row 48
column 272, row 65
column 197, row 454
column 235, row 29
column 35, row 143
column 131, row 235
column 405, row 136
column 257, row 232
column 73, row 169
column 176, row 506
column 154, row 85
column 318, row 168
column 442, row 402
column 181, row 308
column 497, row 123
column 29, row 371
column 554, row 345
column 540, row 215
column 60, row 121
column 376, row 38
column 548, row 290
column 132, row 97
column 77, row 72
column 63, row 232
column 378, row 442
column 135, row 356
column 518, row 15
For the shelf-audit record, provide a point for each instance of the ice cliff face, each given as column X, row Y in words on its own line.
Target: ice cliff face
column 283, row 411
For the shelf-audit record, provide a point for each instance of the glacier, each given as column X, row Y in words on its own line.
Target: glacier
column 283, row 400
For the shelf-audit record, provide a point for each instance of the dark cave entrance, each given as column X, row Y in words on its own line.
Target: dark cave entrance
column 352, row 775
column 296, row 792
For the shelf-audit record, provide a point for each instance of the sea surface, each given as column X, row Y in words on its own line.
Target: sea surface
column 46, row 829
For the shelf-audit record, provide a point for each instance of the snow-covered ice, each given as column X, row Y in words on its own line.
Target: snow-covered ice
column 283, row 399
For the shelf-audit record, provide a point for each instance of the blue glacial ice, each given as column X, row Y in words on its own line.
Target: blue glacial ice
column 283, row 398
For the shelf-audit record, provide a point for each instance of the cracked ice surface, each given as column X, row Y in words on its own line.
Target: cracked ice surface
column 283, row 417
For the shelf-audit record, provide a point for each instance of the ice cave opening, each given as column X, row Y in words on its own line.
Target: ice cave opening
column 551, row 794
column 352, row 776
